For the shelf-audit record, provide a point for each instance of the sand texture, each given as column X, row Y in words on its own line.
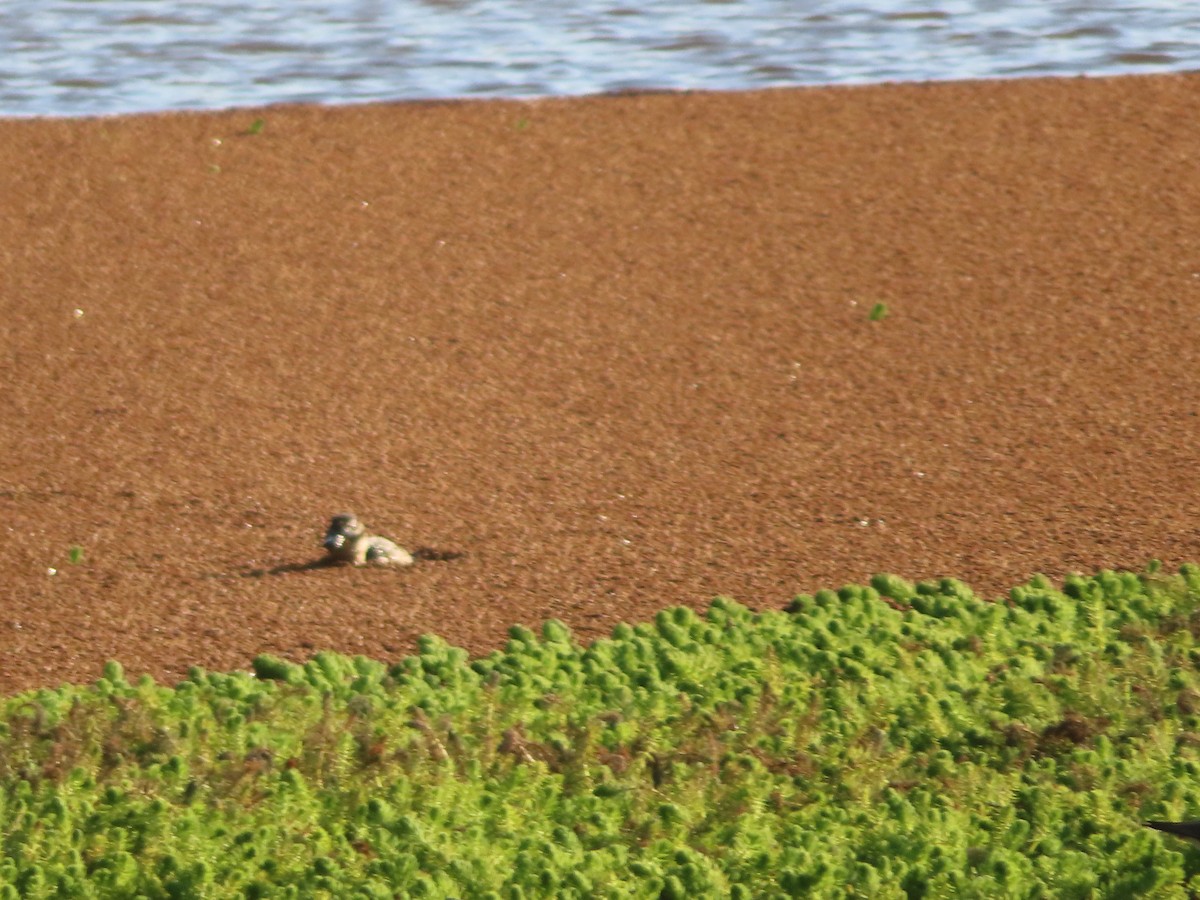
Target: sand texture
column 616, row 350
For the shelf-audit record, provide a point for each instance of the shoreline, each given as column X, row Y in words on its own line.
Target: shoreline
column 572, row 98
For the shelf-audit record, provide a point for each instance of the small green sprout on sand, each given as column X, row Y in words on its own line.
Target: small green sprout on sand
column 878, row 312
column 75, row 554
column 256, row 126
column 522, row 124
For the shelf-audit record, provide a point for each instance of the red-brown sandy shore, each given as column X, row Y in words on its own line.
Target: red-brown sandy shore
column 616, row 349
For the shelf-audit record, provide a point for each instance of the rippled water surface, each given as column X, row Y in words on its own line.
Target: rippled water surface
column 83, row 57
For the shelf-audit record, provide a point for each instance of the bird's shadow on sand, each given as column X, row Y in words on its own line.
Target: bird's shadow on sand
column 421, row 553
column 288, row 568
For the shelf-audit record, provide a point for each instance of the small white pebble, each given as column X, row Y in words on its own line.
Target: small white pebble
column 78, row 313
column 52, row 571
column 216, row 142
column 919, row 474
column 365, row 204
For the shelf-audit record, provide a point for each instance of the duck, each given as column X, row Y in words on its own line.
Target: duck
column 348, row 541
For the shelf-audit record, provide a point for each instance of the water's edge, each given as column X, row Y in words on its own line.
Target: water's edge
column 79, row 59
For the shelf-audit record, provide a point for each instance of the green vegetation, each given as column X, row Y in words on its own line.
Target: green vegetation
column 75, row 554
column 256, row 126
column 878, row 312
column 895, row 740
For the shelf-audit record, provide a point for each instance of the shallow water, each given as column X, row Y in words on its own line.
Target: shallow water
column 83, row 57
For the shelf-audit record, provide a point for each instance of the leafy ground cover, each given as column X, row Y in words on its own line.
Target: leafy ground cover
column 891, row 740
